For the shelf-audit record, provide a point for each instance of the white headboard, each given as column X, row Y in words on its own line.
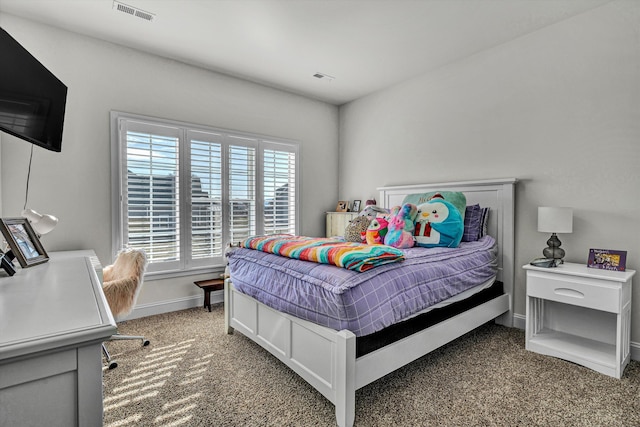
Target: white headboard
column 498, row 196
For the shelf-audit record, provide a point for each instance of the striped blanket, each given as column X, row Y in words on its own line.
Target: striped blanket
column 353, row 256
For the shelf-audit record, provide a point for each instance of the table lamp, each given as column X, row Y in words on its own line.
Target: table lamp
column 41, row 223
column 555, row 220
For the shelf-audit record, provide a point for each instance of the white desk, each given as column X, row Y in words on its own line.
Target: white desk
column 53, row 318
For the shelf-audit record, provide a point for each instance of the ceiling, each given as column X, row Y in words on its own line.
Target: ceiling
column 366, row 45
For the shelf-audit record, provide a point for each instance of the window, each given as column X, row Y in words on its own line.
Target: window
column 183, row 192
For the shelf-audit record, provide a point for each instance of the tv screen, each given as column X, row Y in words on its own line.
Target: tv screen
column 32, row 100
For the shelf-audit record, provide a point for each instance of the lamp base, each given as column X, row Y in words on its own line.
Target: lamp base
column 554, row 251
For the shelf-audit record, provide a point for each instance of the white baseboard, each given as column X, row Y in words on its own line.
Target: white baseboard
column 167, row 306
column 635, row 350
column 519, row 321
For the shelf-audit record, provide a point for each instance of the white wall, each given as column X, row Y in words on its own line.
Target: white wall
column 75, row 184
column 559, row 109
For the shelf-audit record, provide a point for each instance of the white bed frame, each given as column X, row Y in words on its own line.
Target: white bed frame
column 326, row 358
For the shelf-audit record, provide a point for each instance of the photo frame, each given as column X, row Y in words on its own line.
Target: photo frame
column 343, row 206
column 356, row 206
column 607, row 259
column 23, row 241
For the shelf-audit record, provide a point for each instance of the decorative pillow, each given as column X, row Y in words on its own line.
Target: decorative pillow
column 472, row 223
column 438, row 223
column 458, row 199
column 484, row 223
column 356, row 229
column 401, row 225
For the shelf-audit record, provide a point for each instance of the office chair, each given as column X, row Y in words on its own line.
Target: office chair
column 122, row 282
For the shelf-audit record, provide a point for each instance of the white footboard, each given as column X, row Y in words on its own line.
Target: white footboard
column 321, row 356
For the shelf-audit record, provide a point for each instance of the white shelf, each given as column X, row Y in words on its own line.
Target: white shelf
column 573, row 348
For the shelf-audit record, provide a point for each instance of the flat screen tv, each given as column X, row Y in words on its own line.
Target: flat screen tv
column 32, row 100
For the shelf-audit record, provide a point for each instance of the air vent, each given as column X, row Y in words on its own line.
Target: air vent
column 323, row 76
column 121, row 7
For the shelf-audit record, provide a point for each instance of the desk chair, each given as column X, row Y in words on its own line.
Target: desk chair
column 122, row 282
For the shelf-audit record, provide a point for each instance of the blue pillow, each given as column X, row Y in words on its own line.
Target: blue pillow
column 438, row 223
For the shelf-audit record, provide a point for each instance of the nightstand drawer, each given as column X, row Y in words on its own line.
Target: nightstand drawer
column 603, row 296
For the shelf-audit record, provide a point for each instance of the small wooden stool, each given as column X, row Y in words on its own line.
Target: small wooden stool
column 208, row 286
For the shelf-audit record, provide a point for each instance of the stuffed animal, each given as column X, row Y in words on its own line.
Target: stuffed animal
column 438, row 223
column 401, row 226
column 376, row 231
column 373, row 211
column 356, row 229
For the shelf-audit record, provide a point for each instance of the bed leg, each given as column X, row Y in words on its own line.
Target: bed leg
column 345, row 379
column 227, row 307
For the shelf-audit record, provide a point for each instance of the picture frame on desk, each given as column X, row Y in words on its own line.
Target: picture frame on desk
column 23, row 241
column 607, row 259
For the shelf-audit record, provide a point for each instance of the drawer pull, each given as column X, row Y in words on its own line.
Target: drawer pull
column 569, row 292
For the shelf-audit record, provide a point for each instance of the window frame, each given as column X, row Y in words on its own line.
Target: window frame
column 186, row 265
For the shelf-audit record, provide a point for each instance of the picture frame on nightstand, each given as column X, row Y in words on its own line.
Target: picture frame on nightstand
column 607, row 259
column 343, row 206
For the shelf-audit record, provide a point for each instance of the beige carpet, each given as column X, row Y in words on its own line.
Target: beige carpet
column 193, row 374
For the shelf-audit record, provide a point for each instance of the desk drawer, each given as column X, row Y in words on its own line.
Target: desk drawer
column 603, row 296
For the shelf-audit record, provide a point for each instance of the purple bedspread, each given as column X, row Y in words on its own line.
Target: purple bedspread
column 362, row 302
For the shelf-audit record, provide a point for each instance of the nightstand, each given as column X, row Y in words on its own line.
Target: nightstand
column 580, row 314
column 337, row 222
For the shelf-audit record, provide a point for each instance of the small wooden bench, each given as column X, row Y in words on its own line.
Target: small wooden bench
column 207, row 286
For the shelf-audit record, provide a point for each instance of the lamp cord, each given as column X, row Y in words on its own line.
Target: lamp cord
column 26, row 195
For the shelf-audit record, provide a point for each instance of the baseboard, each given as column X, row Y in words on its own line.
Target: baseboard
column 519, row 321
column 635, row 350
column 167, row 306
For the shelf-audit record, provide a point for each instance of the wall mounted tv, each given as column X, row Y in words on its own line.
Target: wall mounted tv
column 32, row 100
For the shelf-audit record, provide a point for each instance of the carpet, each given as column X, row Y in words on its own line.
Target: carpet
column 193, row 374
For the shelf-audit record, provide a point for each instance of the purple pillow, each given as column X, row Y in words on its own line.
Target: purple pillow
column 484, row 223
column 472, row 223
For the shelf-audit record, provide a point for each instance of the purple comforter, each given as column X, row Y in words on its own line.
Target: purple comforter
column 362, row 302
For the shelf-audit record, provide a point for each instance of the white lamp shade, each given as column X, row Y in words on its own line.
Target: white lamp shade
column 42, row 224
column 555, row 220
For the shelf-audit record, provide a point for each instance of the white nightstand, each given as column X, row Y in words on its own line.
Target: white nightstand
column 580, row 314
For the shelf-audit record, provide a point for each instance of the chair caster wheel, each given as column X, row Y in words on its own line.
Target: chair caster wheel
column 113, row 365
column 145, row 343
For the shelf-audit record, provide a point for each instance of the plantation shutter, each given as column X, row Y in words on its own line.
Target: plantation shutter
column 279, row 183
column 183, row 192
column 150, row 191
column 242, row 188
column 206, row 196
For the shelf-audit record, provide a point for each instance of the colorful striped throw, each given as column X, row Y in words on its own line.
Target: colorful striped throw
column 353, row 256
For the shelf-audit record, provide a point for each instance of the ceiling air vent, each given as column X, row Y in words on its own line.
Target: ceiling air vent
column 323, row 76
column 121, row 7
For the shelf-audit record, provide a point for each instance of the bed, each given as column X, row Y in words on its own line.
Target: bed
column 333, row 361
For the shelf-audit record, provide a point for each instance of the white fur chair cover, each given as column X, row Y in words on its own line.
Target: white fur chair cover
column 122, row 280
